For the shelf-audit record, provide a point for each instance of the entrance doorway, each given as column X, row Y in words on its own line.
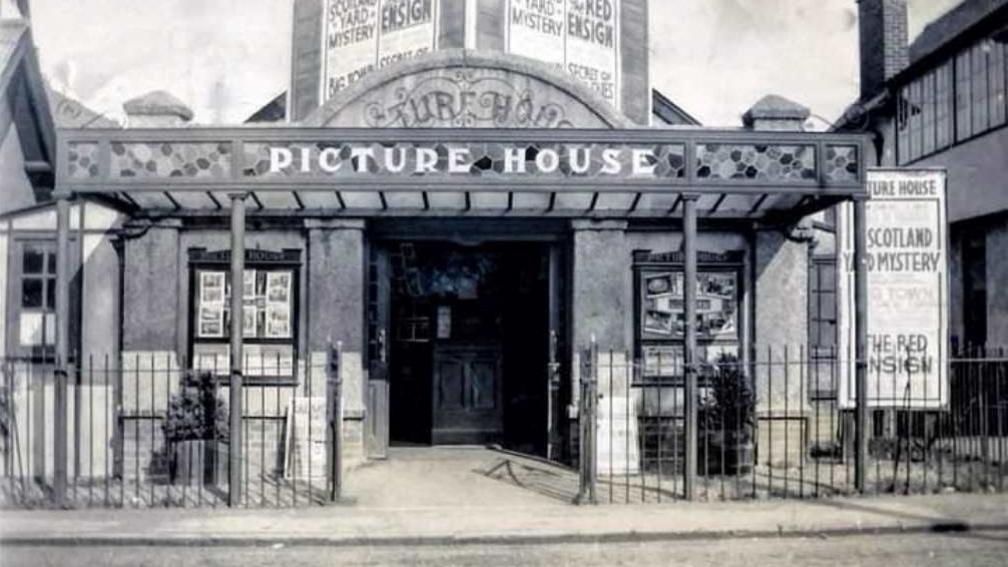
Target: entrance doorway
column 463, row 337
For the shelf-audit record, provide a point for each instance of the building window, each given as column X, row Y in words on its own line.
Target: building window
column 36, row 290
column 953, row 102
column 269, row 317
column 661, row 320
column 822, row 328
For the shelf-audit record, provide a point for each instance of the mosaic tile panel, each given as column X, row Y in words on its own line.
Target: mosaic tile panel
column 786, row 163
column 842, row 164
column 483, row 159
column 171, row 159
column 82, row 160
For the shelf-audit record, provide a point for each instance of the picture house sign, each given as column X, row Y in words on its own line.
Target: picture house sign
column 625, row 161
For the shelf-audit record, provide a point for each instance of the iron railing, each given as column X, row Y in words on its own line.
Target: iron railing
column 148, row 431
column 772, row 426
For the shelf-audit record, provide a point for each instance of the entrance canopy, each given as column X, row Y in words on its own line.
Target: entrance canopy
column 462, row 171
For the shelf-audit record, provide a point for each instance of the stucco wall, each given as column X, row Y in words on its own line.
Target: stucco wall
column 977, row 175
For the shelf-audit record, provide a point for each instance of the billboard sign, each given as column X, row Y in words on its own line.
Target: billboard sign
column 907, row 303
column 580, row 37
column 360, row 36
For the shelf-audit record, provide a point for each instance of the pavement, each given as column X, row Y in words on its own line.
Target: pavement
column 425, row 497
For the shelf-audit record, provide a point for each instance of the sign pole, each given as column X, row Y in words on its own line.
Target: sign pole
column 860, row 345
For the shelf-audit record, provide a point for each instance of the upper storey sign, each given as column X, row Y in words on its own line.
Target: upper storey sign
column 360, row 36
column 579, row 36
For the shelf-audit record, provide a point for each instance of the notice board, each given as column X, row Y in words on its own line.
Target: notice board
column 360, row 36
column 580, row 37
column 907, row 304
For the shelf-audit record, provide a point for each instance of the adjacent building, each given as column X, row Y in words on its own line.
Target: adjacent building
column 941, row 101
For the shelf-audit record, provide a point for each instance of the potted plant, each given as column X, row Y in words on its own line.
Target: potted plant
column 727, row 416
column 196, row 432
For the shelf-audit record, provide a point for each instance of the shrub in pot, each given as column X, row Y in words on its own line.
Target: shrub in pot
column 196, row 432
column 727, row 419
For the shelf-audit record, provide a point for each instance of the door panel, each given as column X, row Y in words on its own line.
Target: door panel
column 450, row 385
column 482, row 383
column 467, row 401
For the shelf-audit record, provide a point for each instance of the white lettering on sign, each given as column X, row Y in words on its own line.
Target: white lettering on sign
column 574, row 159
column 580, row 37
column 907, row 263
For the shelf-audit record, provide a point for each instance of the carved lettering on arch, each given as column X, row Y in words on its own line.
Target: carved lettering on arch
column 466, row 98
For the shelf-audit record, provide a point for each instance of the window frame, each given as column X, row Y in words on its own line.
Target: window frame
column 645, row 263
column 287, row 260
column 815, row 354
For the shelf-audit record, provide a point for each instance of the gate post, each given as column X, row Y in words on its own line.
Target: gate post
column 552, row 394
column 587, row 427
column 334, row 405
column 62, row 351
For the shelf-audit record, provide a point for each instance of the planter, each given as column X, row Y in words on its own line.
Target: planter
column 198, row 462
column 726, row 454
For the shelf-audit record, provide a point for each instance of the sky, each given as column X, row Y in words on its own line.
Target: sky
column 227, row 58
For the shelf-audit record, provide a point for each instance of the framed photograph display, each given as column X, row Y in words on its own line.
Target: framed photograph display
column 269, row 312
column 660, row 325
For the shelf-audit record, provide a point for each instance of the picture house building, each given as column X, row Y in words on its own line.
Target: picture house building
column 458, row 194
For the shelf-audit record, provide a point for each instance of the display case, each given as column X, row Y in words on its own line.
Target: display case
column 660, row 321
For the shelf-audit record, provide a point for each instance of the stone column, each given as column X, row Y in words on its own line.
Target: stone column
column 781, row 326
column 336, row 305
column 150, row 305
column 602, row 303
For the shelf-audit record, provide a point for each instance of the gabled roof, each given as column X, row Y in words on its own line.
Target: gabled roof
column 274, row 111
column 669, row 112
column 951, row 25
column 22, row 84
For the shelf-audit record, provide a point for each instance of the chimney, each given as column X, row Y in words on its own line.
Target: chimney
column 882, row 28
column 156, row 109
column 776, row 113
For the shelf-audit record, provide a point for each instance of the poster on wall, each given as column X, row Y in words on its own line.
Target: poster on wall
column 360, row 36
column 579, row 36
column 907, row 303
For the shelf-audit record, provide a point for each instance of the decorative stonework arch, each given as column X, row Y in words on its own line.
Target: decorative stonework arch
column 467, row 89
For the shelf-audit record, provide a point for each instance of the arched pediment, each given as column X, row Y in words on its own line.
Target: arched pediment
column 467, row 89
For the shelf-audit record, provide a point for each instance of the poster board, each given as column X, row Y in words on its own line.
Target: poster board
column 361, row 36
column 907, row 303
column 580, row 37
column 617, row 451
column 305, row 438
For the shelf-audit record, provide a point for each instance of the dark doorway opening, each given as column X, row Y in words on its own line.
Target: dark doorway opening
column 468, row 343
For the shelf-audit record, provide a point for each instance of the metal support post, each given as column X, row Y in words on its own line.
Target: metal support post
column 689, row 350
column 860, row 346
column 235, row 389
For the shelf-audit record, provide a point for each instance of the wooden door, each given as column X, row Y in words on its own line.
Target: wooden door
column 467, row 401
